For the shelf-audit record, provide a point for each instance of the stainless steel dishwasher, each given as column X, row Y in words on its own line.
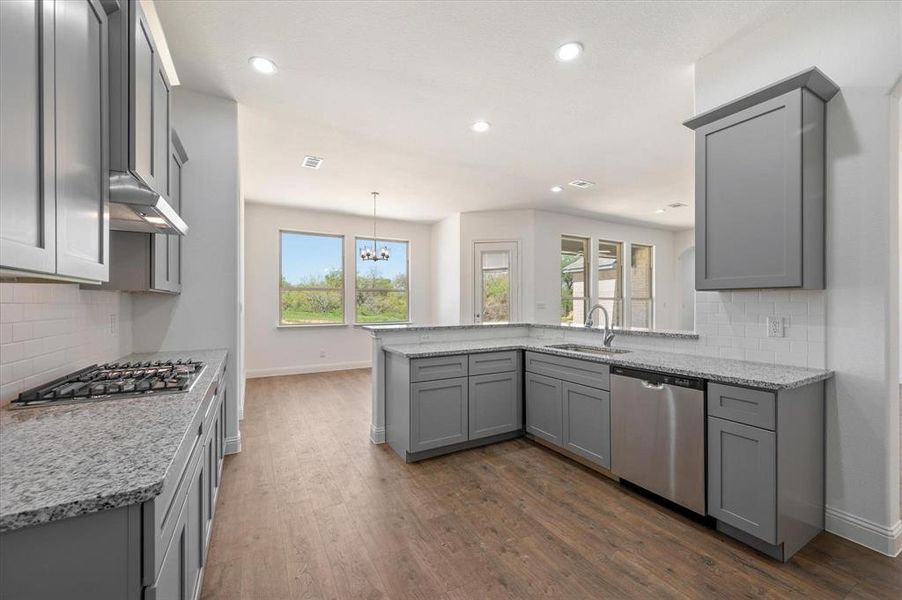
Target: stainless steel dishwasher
column 658, row 434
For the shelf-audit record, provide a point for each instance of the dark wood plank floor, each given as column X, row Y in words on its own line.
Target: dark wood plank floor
column 311, row 509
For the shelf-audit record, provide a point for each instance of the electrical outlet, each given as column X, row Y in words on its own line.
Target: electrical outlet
column 541, row 306
column 425, row 337
column 113, row 323
column 775, row 327
column 322, row 354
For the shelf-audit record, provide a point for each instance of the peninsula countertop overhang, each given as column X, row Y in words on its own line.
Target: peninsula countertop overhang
column 737, row 372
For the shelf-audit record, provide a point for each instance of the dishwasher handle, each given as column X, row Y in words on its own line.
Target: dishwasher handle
column 652, row 386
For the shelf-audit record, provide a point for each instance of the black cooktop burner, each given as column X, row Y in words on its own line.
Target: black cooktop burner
column 115, row 380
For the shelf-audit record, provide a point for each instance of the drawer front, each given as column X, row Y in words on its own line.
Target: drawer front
column 439, row 367
column 486, row 363
column 742, row 405
column 574, row 370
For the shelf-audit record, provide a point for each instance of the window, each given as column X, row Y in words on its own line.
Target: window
column 641, row 287
column 610, row 279
column 311, row 285
column 574, row 279
column 382, row 292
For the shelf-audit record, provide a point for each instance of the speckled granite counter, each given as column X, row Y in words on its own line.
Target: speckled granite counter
column 59, row 462
column 739, row 372
column 411, row 328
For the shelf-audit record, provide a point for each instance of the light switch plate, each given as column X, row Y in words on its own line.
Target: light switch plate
column 775, row 327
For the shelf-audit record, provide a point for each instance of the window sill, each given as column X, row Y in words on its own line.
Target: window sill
column 378, row 323
column 309, row 325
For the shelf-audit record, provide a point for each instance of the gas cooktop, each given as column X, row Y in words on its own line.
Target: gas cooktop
column 115, row 380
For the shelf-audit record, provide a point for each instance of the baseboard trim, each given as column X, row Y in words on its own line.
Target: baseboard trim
column 305, row 369
column 233, row 444
column 883, row 539
column 377, row 434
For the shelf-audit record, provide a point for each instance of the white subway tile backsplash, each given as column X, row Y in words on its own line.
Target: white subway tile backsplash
column 50, row 329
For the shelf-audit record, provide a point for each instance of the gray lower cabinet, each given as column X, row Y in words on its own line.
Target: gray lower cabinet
column 438, row 413
column 151, row 551
column 54, row 150
column 742, row 477
column 587, row 423
column 759, row 191
column 566, row 412
column 544, row 408
column 436, row 405
column 765, row 483
column 495, row 404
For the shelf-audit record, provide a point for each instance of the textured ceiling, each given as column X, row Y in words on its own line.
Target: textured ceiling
column 386, row 91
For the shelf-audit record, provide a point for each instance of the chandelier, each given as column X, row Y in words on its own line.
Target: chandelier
column 367, row 253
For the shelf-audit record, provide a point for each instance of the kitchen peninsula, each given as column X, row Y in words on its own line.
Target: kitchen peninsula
column 444, row 389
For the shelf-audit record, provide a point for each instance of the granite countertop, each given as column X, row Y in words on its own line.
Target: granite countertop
column 411, row 327
column 63, row 461
column 739, row 372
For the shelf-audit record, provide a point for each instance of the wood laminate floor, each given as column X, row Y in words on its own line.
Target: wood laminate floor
column 311, row 509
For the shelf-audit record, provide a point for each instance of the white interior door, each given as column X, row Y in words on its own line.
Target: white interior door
column 497, row 282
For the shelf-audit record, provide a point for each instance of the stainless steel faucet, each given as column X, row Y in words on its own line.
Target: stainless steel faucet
column 608, row 338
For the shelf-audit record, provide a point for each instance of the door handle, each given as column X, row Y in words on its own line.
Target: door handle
column 652, row 386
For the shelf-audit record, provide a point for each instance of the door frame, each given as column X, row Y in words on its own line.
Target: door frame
column 510, row 245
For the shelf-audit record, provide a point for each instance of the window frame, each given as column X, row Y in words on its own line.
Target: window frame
column 406, row 279
column 622, row 246
column 343, row 290
column 588, row 294
column 651, row 285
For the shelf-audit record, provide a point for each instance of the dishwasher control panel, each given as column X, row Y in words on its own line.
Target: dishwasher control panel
column 660, row 378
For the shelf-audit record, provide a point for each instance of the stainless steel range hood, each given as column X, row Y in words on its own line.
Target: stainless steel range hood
column 136, row 207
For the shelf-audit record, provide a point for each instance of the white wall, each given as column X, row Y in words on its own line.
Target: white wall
column 48, row 330
column 858, row 45
column 684, row 278
column 503, row 225
column 446, row 270
column 273, row 350
column 205, row 314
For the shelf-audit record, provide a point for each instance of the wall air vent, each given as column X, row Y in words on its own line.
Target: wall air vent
column 312, row 162
column 677, row 205
column 581, row 183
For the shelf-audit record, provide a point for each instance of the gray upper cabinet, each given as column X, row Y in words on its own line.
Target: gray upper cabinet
column 54, row 145
column 140, row 93
column 27, row 199
column 759, row 187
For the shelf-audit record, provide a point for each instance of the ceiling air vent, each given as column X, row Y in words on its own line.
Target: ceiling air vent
column 312, row 162
column 581, row 183
column 677, row 205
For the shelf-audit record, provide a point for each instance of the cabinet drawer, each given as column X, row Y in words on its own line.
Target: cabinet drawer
column 486, row 363
column 574, row 370
column 439, row 367
column 743, row 405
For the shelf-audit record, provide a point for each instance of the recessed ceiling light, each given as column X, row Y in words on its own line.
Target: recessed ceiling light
column 569, row 51
column 660, row 211
column 264, row 65
column 556, row 189
column 678, row 205
column 481, row 126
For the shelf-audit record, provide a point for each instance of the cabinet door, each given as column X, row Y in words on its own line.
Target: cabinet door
column 544, row 408
column 749, row 197
column 587, row 423
column 495, row 404
column 27, row 205
column 161, row 129
column 196, row 524
column 82, row 140
column 142, row 74
column 742, row 477
column 172, row 580
column 438, row 413
column 209, row 459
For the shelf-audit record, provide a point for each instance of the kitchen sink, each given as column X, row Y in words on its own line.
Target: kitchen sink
column 600, row 350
